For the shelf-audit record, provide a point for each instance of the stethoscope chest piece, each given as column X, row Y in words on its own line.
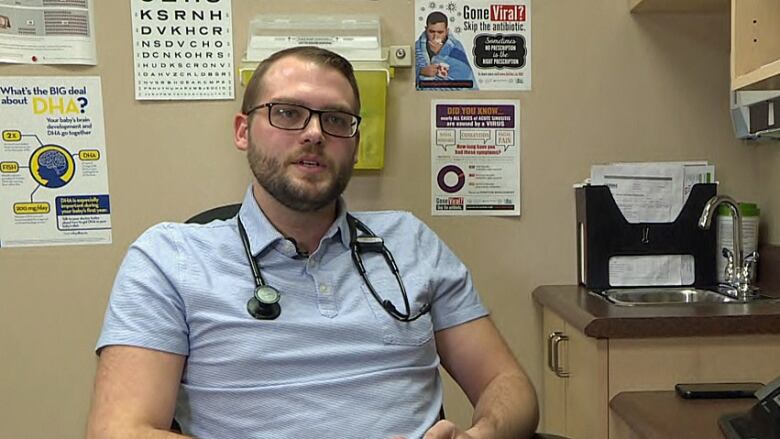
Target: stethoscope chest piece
column 264, row 304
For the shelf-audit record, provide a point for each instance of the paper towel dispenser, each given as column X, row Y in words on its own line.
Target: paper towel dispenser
column 756, row 114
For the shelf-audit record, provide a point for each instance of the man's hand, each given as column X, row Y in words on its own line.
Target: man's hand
column 429, row 70
column 435, row 45
column 445, row 429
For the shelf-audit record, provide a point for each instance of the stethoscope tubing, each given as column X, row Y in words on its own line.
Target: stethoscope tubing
column 369, row 242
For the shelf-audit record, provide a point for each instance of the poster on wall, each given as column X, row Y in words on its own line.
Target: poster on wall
column 182, row 50
column 47, row 32
column 475, row 157
column 473, row 45
column 53, row 172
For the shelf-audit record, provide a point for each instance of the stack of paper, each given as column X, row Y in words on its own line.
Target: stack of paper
column 651, row 192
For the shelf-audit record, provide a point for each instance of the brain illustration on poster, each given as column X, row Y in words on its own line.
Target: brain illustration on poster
column 53, row 170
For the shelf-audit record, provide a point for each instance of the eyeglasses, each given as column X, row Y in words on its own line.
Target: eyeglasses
column 296, row 117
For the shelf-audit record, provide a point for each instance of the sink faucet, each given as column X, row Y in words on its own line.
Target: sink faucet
column 739, row 267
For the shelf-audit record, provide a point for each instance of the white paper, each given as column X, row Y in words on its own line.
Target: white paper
column 183, row 50
column 490, row 47
column 652, row 192
column 53, row 172
column 475, row 157
column 668, row 270
column 47, row 32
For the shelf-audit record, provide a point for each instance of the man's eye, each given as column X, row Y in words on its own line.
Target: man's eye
column 337, row 119
column 288, row 113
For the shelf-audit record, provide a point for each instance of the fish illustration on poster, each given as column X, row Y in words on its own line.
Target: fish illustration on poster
column 473, row 45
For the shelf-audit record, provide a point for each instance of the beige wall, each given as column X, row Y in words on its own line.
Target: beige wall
column 607, row 86
column 769, row 186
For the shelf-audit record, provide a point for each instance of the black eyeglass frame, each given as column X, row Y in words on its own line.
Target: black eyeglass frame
column 311, row 111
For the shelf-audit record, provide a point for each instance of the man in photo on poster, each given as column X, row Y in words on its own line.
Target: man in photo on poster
column 441, row 57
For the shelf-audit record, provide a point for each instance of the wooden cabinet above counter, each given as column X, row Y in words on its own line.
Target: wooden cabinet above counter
column 755, row 36
column 755, row 45
column 644, row 6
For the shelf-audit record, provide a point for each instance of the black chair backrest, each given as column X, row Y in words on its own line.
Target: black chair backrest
column 217, row 213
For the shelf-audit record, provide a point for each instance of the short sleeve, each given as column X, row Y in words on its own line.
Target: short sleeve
column 146, row 308
column 455, row 300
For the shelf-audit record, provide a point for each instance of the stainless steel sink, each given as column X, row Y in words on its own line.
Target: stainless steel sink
column 664, row 296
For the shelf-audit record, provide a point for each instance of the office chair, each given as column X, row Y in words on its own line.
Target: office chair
column 218, row 213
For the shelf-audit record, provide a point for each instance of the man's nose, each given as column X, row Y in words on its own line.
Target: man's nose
column 312, row 132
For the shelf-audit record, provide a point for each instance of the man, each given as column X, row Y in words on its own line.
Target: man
column 440, row 57
column 331, row 362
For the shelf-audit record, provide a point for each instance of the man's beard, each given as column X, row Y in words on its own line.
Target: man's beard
column 270, row 173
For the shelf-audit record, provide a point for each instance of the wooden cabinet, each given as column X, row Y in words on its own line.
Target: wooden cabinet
column 755, row 36
column 642, row 6
column 755, row 45
column 575, row 381
column 591, row 371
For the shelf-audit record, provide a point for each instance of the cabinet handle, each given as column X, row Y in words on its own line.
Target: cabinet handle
column 557, row 368
column 553, row 335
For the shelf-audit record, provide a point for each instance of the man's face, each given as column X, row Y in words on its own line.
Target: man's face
column 437, row 34
column 305, row 170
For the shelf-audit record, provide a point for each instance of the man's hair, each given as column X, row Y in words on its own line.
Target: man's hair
column 436, row 17
column 320, row 57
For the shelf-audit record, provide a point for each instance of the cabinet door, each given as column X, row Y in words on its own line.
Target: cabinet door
column 574, row 405
column 553, row 399
column 587, row 405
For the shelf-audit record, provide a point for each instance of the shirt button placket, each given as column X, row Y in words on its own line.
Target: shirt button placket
column 325, row 299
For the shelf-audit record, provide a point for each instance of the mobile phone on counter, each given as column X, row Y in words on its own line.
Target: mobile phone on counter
column 717, row 390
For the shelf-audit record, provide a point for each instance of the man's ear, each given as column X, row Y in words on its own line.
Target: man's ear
column 241, row 131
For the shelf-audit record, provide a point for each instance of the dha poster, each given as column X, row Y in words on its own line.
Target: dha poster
column 473, row 45
column 53, row 171
column 182, row 50
column 475, row 157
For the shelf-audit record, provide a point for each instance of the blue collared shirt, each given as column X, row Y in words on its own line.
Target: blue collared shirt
column 334, row 364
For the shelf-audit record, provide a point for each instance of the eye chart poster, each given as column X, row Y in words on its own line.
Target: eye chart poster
column 182, row 50
column 473, row 45
column 53, row 171
column 475, row 157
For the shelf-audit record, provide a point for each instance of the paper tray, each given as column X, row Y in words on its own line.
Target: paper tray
column 603, row 232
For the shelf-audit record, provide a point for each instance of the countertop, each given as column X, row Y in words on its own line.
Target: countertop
column 595, row 317
column 665, row 415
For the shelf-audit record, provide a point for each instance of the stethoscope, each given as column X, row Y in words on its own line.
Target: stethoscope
column 264, row 303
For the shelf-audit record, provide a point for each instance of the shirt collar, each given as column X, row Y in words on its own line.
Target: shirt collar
column 262, row 233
